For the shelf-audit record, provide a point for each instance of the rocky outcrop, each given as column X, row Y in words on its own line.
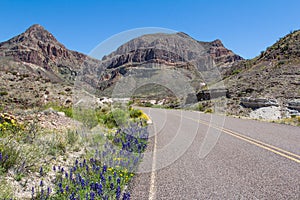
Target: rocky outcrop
column 221, row 55
column 254, row 103
column 212, row 94
column 294, row 105
column 145, row 55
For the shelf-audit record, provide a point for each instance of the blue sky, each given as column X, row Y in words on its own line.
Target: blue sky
column 245, row 26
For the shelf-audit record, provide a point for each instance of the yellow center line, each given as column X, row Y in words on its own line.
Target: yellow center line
column 255, row 142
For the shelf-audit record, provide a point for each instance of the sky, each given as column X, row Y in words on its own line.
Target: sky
column 245, row 26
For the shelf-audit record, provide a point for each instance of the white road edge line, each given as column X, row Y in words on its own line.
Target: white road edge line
column 152, row 181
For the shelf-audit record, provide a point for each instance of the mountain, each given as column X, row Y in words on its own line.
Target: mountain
column 154, row 53
column 39, row 47
column 36, row 69
column 179, row 43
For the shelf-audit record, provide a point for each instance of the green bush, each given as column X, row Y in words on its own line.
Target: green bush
column 6, row 190
column 135, row 113
column 3, row 93
column 236, row 71
column 209, row 110
column 72, row 137
column 67, row 110
column 148, row 104
column 200, row 107
column 87, row 116
column 9, row 156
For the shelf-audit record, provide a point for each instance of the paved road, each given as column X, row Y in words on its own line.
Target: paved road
column 249, row 159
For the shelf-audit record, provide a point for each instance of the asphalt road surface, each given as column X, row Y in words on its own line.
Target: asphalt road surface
column 202, row 156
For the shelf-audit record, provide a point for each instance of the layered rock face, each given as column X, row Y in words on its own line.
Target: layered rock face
column 197, row 61
column 172, row 48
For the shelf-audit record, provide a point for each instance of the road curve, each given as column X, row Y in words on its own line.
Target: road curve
column 249, row 160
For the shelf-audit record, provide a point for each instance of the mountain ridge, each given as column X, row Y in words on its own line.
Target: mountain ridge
column 36, row 56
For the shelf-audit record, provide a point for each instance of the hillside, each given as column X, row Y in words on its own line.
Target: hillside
column 273, row 75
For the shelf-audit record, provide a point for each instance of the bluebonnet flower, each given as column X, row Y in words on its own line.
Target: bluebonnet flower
column 41, row 171
column 103, row 180
column 92, row 195
column 48, row 191
column 126, row 196
column 82, row 183
column 104, row 168
column 32, row 192
column 118, row 192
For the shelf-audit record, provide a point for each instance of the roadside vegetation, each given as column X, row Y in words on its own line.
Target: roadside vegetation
column 293, row 120
column 94, row 161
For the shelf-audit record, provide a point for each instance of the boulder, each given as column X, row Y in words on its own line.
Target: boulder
column 212, row 94
column 255, row 103
column 294, row 104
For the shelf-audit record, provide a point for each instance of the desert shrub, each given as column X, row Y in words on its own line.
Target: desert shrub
column 72, row 137
column 135, row 113
column 6, row 190
column 130, row 102
column 115, row 118
column 67, row 110
column 209, row 110
column 3, row 93
column 236, row 71
column 9, row 155
column 148, row 104
column 87, row 116
column 200, row 107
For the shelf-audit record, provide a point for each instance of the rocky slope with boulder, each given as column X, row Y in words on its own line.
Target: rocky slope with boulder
column 271, row 79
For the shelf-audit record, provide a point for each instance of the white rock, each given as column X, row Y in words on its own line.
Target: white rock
column 267, row 113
